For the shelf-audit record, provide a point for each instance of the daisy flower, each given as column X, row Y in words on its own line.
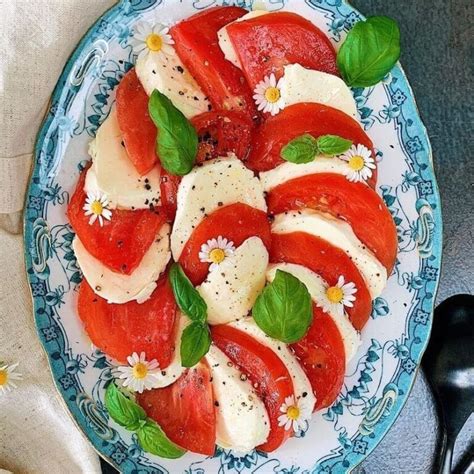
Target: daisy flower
column 360, row 162
column 139, row 375
column 268, row 96
column 8, row 374
column 215, row 251
column 152, row 39
column 96, row 206
column 336, row 297
column 294, row 414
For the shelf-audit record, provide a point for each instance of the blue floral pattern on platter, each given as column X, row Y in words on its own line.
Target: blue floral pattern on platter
column 379, row 379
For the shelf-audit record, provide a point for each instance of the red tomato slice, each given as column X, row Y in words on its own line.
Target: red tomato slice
column 169, row 184
column 236, row 222
column 265, row 370
column 197, row 45
column 138, row 130
column 326, row 260
column 221, row 133
column 185, row 410
column 322, row 357
column 295, row 120
column 123, row 241
column 122, row 329
column 267, row 43
column 356, row 203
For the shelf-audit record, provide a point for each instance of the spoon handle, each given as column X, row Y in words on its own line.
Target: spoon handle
column 446, row 455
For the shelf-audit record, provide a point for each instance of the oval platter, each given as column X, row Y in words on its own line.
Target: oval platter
column 378, row 380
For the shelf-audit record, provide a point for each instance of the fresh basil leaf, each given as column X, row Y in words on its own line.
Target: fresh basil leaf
column 153, row 440
column 369, row 51
column 284, row 310
column 177, row 140
column 302, row 149
column 190, row 302
column 332, row 145
column 195, row 342
column 122, row 410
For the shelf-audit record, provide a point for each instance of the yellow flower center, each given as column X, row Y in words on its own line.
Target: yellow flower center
column 293, row 412
column 140, row 370
column 272, row 94
column 217, row 255
column 3, row 377
column 154, row 42
column 334, row 294
column 97, row 208
column 356, row 162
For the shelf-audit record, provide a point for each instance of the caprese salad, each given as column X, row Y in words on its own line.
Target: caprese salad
column 228, row 229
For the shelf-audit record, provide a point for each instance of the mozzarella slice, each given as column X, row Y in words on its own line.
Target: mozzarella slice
column 166, row 73
column 242, row 421
column 112, row 173
column 119, row 288
column 317, row 287
column 216, row 183
column 224, row 40
column 339, row 234
column 301, row 383
column 170, row 374
column 230, row 291
column 307, row 85
column 286, row 171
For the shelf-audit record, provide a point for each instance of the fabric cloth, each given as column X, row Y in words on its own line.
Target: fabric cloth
column 37, row 435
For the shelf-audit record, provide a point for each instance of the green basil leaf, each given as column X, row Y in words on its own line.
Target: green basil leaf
column 302, row 149
column 369, row 52
column 177, row 140
column 195, row 342
column 153, row 440
column 284, row 310
column 122, row 410
column 190, row 302
column 332, row 145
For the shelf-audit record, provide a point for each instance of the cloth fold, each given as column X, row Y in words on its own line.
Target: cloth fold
column 37, row 434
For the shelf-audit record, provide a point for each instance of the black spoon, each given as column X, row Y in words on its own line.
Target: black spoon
column 449, row 367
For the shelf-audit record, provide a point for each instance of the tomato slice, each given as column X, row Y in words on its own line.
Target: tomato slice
column 221, row 133
column 236, row 222
column 267, row 43
column 138, row 130
column 122, row 329
column 120, row 243
column 265, row 370
column 295, row 120
column 185, row 410
column 327, row 261
column 322, row 357
column 356, row 203
column 198, row 47
column 169, row 184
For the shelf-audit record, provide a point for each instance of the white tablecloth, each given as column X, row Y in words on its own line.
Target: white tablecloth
column 37, row 435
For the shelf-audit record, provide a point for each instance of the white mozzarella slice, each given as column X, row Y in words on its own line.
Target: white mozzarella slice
column 118, row 288
column 242, row 421
column 224, row 40
column 166, row 73
column 286, row 171
column 301, row 384
column 307, row 85
column 317, row 287
column 112, row 173
column 216, row 183
column 231, row 289
column 170, row 374
column 340, row 234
